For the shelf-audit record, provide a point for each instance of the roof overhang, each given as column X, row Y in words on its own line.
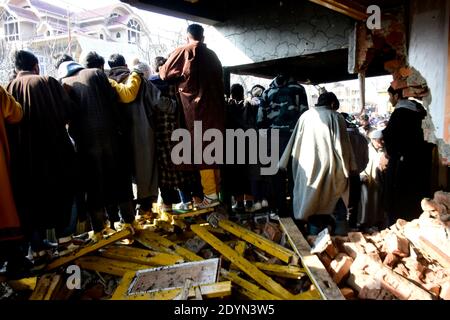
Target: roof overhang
column 316, row 68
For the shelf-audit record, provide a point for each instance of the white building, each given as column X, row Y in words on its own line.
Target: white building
column 47, row 30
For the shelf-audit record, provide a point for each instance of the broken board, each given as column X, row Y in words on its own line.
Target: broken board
column 173, row 277
column 311, row 263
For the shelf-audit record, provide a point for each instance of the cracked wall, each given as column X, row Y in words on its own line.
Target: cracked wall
column 291, row 29
column 428, row 53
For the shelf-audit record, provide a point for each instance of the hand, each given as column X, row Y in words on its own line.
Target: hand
column 384, row 160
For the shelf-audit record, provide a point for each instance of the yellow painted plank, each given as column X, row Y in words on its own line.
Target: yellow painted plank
column 53, row 284
column 240, row 247
column 88, row 249
column 23, row 284
column 247, row 288
column 290, row 272
column 317, row 273
column 243, row 264
column 42, row 287
column 191, row 214
column 155, row 240
column 121, row 291
column 109, row 266
column 258, row 241
column 141, row 256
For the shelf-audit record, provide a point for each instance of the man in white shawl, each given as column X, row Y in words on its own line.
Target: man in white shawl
column 322, row 161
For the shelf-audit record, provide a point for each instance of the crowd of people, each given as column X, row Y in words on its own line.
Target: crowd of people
column 73, row 148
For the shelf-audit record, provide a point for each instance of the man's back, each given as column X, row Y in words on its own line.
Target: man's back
column 200, row 83
column 282, row 104
column 97, row 118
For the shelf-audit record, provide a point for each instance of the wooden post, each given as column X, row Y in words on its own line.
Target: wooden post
column 362, row 91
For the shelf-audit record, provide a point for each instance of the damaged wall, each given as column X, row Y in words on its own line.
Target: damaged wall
column 428, row 53
column 290, row 29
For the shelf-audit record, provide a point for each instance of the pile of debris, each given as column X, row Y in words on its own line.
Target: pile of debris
column 409, row 260
column 177, row 256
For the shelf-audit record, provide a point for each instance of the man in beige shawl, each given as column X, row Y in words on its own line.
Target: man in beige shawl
column 322, row 161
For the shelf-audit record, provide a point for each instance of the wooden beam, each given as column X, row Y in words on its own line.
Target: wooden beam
column 243, row 264
column 190, row 214
column 290, row 272
column 141, row 256
column 313, row 267
column 109, row 266
column 23, row 284
column 247, row 288
column 240, row 248
column 45, row 287
column 345, row 7
column 88, row 249
column 272, row 248
column 156, row 242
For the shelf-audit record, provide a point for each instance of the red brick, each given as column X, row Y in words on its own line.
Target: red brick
column 397, row 245
column 433, row 288
column 348, row 293
column 391, row 260
column 399, row 84
column 405, row 72
column 331, row 251
column 393, row 65
column 272, row 232
column 340, row 267
column 445, row 290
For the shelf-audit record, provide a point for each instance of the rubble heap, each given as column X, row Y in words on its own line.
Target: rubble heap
column 409, row 260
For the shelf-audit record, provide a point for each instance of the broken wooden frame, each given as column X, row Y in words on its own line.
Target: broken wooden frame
column 174, row 277
column 210, row 291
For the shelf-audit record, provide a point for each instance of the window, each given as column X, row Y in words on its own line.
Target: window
column 118, row 35
column 134, row 31
column 114, row 15
column 101, row 36
column 48, row 33
column 11, row 29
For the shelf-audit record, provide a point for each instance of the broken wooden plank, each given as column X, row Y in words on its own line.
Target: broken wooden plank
column 313, row 267
column 90, row 248
column 243, row 264
column 45, row 287
column 23, row 284
column 53, row 284
column 240, row 248
column 121, row 292
column 173, row 277
column 274, row 249
column 247, row 288
column 289, row 272
column 154, row 241
column 190, row 214
column 141, row 256
column 109, row 266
